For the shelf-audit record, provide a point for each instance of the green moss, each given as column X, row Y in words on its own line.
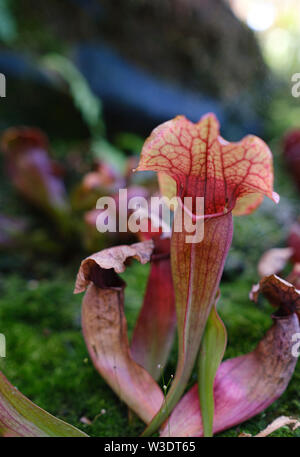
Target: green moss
column 47, row 358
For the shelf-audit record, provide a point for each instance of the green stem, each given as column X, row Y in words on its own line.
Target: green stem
column 210, row 356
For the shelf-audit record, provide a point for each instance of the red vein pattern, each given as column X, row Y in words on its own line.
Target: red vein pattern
column 193, row 160
column 203, row 164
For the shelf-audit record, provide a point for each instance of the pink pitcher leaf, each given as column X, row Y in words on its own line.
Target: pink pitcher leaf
column 203, row 164
column 105, row 328
column 244, row 386
column 279, row 292
column 32, row 172
column 19, row 417
column 273, row 261
column 154, row 331
column 196, row 270
column 279, row 422
column 211, row 353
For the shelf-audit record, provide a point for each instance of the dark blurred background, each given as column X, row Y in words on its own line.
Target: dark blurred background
column 146, row 60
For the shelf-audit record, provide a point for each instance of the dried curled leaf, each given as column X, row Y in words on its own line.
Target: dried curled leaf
column 281, row 421
column 20, row 417
column 280, row 293
column 111, row 259
column 203, row 164
column 105, row 328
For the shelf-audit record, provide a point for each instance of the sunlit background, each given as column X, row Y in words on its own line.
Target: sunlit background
column 277, row 24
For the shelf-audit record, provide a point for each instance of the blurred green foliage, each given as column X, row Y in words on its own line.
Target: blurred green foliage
column 8, row 25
